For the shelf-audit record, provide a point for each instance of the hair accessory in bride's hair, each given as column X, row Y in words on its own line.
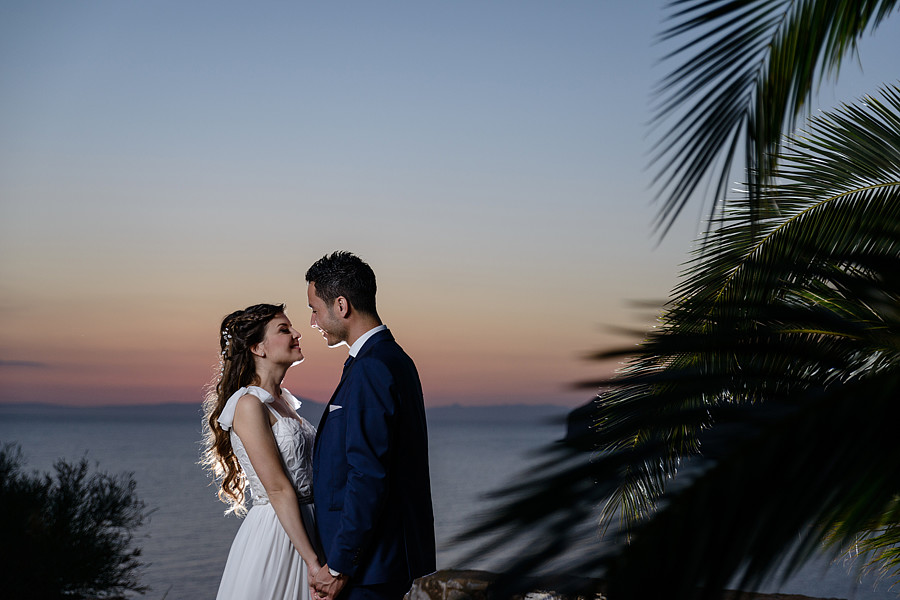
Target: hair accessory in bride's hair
column 227, row 337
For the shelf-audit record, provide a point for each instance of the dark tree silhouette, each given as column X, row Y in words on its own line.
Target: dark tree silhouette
column 68, row 536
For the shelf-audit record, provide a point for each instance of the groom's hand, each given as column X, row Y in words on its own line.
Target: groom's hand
column 327, row 586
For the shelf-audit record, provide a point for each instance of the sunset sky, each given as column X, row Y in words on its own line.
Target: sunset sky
column 164, row 163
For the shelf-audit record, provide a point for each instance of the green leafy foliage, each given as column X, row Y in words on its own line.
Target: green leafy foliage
column 68, row 536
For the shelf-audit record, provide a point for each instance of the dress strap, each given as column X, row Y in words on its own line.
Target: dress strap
column 226, row 419
column 271, row 408
column 287, row 395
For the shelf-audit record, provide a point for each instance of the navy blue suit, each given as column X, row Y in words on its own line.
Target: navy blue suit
column 370, row 470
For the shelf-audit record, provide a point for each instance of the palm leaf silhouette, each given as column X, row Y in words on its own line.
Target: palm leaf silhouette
column 759, row 421
column 746, row 72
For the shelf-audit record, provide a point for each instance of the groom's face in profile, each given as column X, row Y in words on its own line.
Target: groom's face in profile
column 325, row 319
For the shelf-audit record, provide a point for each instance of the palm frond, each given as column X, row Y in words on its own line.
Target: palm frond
column 878, row 547
column 742, row 519
column 748, row 71
column 759, row 415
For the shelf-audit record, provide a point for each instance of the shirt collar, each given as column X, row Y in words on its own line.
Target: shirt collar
column 358, row 344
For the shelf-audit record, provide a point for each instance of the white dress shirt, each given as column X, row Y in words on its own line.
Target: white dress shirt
column 358, row 344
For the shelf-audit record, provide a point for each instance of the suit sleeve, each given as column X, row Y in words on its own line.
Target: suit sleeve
column 369, row 420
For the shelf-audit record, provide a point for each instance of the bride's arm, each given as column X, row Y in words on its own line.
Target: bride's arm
column 251, row 423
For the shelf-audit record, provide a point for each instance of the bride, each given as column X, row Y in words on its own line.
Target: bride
column 254, row 439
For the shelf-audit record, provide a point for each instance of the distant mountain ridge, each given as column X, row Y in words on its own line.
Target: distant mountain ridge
column 310, row 410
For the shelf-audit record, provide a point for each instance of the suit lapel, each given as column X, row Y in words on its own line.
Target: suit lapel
column 348, row 366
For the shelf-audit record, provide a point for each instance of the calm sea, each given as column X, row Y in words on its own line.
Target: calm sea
column 186, row 541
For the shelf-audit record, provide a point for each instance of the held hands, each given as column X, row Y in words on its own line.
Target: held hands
column 325, row 586
column 311, row 572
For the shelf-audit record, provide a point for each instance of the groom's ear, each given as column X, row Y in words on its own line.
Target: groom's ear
column 341, row 306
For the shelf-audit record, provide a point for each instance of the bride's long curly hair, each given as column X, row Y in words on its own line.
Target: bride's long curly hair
column 240, row 331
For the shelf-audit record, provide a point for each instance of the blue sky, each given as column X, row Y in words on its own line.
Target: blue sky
column 163, row 163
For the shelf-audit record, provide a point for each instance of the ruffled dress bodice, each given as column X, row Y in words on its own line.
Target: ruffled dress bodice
column 295, row 440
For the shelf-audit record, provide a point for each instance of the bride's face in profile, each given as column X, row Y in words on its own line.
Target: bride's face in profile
column 281, row 343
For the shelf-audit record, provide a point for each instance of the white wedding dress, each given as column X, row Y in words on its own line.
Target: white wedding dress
column 262, row 563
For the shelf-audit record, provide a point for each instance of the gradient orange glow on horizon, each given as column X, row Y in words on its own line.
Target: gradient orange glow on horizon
column 163, row 164
column 470, row 347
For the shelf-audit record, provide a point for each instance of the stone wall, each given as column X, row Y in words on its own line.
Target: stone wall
column 473, row 585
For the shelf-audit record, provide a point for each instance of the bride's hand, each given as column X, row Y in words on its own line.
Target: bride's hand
column 311, row 572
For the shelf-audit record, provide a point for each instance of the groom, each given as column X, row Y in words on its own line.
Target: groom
column 370, row 466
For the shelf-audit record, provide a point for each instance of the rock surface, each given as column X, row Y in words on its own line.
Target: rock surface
column 473, row 585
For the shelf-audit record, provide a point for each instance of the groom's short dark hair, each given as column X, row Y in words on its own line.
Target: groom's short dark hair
column 344, row 274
